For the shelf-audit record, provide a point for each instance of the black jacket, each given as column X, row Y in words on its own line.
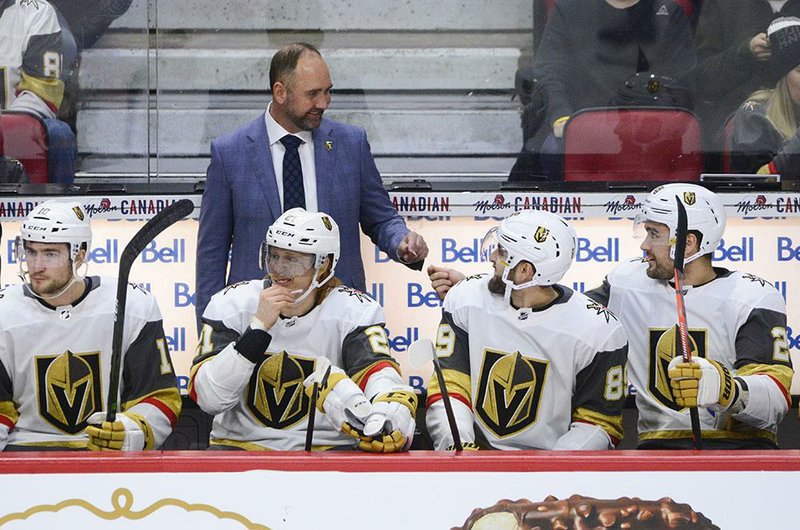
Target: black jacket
column 589, row 49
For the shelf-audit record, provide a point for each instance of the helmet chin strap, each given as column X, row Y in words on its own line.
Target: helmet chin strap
column 511, row 286
column 687, row 259
column 314, row 285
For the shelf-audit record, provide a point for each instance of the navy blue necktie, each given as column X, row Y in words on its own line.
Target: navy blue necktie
column 294, row 194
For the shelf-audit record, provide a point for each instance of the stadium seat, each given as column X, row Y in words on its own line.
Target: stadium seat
column 46, row 148
column 25, row 138
column 633, row 144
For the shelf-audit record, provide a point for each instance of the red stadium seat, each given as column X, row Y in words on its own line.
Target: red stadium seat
column 633, row 144
column 25, row 138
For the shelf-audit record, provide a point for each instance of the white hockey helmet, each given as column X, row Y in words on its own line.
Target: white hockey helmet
column 705, row 213
column 55, row 222
column 312, row 233
column 541, row 238
column 58, row 222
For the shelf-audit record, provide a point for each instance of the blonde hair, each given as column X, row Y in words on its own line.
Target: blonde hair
column 781, row 110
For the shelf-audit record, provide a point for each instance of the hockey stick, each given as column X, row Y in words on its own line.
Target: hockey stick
column 160, row 222
column 682, row 336
column 418, row 353
column 323, row 365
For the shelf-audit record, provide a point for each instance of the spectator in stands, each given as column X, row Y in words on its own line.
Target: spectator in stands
column 589, row 49
column 531, row 363
column 261, row 339
column 11, row 171
column 733, row 58
column 56, row 348
column 327, row 166
column 89, row 19
column 765, row 137
column 31, row 57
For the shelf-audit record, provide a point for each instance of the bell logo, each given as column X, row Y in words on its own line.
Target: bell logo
column 541, row 234
column 689, row 198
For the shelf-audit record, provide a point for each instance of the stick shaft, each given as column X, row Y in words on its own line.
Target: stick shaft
column 160, row 222
column 448, row 407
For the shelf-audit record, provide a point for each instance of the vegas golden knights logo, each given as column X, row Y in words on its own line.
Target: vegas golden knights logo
column 663, row 349
column 509, row 391
column 68, row 389
column 689, row 198
column 327, row 222
column 275, row 394
column 78, row 212
column 541, row 234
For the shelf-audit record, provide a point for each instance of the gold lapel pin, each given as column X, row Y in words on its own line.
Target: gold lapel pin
column 329, row 145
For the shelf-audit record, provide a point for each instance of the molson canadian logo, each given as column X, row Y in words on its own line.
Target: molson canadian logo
column 196, row 516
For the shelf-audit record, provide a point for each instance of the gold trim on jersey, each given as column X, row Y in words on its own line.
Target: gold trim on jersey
column 170, row 397
column 49, row 89
column 711, row 434
column 149, row 440
column 780, row 372
column 510, row 387
column 9, row 410
column 611, row 424
column 661, row 350
column 78, row 444
column 457, row 383
column 251, row 446
column 359, row 376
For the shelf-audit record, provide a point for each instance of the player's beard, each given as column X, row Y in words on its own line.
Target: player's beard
column 659, row 271
column 497, row 285
column 52, row 287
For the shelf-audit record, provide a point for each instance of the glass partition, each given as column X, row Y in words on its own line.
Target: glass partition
column 432, row 84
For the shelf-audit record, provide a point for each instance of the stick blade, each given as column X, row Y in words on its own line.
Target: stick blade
column 420, row 352
column 680, row 235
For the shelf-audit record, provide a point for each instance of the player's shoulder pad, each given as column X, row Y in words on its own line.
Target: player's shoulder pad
column 349, row 304
column 753, row 289
column 630, row 274
column 596, row 311
column 234, row 298
column 469, row 291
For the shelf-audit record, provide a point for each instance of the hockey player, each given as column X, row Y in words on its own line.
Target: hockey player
column 740, row 373
column 30, row 57
column 55, row 348
column 261, row 339
column 534, row 364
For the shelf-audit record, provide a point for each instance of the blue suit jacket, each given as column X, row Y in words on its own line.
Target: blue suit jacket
column 241, row 201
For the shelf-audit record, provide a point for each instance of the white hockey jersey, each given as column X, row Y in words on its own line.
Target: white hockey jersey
column 527, row 374
column 55, row 365
column 263, row 406
column 30, row 56
column 737, row 319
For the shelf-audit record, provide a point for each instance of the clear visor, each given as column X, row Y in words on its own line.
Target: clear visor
column 490, row 245
column 652, row 233
column 287, row 263
column 40, row 256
